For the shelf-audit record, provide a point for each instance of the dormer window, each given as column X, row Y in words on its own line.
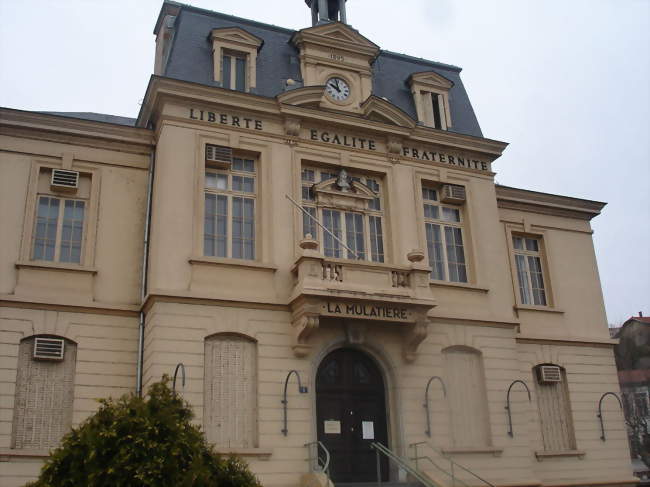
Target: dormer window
column 431, row 98
column 235, row 58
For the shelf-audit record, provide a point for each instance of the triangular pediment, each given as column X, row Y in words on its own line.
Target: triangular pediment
column 380, row 110
column 335, row 34
column 236, row 35
column 430, row 78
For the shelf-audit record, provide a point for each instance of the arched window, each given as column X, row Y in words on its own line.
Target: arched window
column 467, row 397
column 44, row 392
column 230, row 391
column 556, row 421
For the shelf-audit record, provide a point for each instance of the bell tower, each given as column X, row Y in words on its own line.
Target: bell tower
column 324, row 11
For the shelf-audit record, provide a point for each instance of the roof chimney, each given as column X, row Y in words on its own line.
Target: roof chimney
column 640, row 314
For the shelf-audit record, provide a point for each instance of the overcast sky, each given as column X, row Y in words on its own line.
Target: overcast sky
column 565, row 82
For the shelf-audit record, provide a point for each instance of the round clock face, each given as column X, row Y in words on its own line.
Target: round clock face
column 337, row 89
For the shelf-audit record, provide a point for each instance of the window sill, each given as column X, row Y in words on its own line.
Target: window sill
column 6, row 453
column 560, row 453
column 57, row 266
column 221, row 261
column 263, row 453
column 459, row 285
column 496, row 451
column 547, row 309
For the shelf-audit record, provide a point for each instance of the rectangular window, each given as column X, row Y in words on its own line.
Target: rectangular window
column 529, row 270
column 359, row 231
column 234, row 71
column 435, row 102
column 332, row 221
column 229, row 212
column 445, row 243
column 58, row 230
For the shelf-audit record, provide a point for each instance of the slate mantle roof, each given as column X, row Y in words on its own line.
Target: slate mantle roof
column 96, row 117
column 190, row 59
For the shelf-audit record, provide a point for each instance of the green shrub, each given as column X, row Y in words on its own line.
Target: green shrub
column 138, row 442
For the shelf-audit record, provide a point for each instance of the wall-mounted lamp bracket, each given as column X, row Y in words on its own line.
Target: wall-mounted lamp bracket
column 301, row 389
column 600, row 412
column 507, row 408
column 426, row 401
column 182, row 367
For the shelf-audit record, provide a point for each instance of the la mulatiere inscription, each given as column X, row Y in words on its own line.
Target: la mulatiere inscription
column 426, row 155
column 226, row 119
column 369, row 311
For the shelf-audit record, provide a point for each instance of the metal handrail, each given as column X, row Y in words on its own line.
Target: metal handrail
column 317, row 466
column 402, row 463
column 452, row 463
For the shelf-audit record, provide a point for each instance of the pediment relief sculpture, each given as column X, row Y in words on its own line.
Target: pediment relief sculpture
column 343, row 192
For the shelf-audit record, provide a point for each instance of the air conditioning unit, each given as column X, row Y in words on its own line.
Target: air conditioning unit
column 452, row 193
column 547, row 374
column 64, row 180
column 217, row 156
column 49, row 348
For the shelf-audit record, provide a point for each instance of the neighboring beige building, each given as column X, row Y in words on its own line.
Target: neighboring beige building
column 423, row 267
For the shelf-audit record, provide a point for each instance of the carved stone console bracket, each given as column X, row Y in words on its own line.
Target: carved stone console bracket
column 305, row 320
column 416, row 334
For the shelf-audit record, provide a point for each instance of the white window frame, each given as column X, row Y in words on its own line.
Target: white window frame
column 375, row 209
column 58, row 238
column 528, row 285
column 234, row 56
column 442, row 224
column 230, row 194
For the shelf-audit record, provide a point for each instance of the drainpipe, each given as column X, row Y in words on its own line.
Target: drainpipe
column 145, row 266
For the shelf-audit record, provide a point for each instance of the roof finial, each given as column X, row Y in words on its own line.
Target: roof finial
column 324, row 11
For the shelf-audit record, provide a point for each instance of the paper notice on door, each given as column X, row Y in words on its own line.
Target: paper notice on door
column 368, row 428
column 332, row 427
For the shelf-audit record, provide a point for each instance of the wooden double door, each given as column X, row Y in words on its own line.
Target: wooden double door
column 351, row 414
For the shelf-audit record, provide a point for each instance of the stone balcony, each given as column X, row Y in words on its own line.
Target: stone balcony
column 359, row 292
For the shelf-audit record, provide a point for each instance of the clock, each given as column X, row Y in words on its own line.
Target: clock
column 337, row 89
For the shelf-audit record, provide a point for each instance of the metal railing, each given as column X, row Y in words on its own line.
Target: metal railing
column 402, row 463
column 318, row 457
column 451, row 471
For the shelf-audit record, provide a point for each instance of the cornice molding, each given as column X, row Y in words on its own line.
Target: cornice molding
column 302, row 96
column 547, row 204
column 161, row 89
column 46, row 126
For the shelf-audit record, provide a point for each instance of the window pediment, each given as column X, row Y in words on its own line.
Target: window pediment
column 351, row 195
column 236, row 35
column 430, row 79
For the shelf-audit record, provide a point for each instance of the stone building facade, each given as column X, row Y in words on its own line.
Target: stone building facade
column 302, row 206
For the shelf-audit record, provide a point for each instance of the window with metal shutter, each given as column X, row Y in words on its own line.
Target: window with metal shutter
column 44, row 397
column 467, row 397
column 230, row 411
column 556, row 421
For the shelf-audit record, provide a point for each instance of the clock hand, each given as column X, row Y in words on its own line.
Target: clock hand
column 335, row 87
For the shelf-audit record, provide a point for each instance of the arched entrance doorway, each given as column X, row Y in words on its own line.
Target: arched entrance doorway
column 351, row 414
